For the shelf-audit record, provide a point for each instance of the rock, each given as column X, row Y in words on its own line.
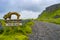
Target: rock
column 57, row 16
column 53, row 8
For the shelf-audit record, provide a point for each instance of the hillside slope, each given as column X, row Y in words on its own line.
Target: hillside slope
column 51, row 14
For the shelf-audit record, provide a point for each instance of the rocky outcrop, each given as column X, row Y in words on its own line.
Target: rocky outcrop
column 53, row 8
column 57, row 16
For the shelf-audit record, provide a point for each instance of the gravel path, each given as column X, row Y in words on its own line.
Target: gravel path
column 45, row 31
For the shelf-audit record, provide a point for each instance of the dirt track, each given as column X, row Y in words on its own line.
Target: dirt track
column 45, row 31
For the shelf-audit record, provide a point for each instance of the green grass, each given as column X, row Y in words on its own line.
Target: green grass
column 16, row 33
column 13, row 37
column 50, row 17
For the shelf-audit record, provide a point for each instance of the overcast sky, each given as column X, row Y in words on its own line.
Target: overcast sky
column 26, row 8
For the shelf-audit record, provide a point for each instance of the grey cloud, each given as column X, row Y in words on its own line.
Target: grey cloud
column 20, row 5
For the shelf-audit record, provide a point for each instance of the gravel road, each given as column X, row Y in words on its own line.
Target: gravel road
column 45, row 31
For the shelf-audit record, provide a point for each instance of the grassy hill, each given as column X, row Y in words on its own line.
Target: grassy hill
column 51, row 14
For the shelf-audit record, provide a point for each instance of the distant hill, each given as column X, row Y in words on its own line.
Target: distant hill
column 51, row 14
